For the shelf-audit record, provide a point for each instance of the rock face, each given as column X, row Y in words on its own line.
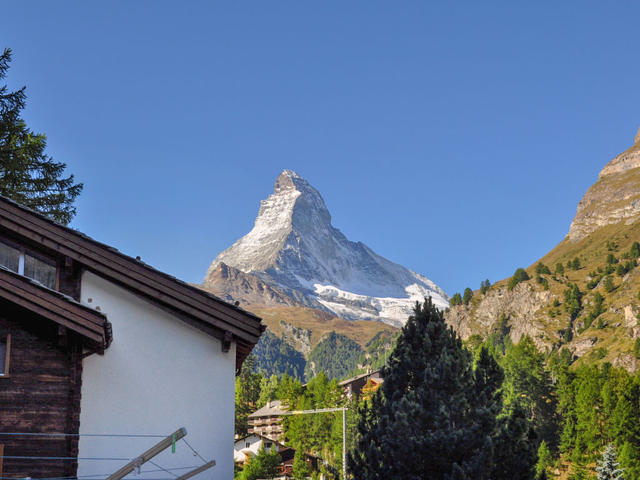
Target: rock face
column 294, row 250
column 519, row 306
column 614, row 197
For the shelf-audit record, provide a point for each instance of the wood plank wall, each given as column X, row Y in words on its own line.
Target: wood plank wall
column 41, row 394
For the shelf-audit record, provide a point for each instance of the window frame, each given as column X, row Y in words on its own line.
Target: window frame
column 35, row 254
column 7, row 357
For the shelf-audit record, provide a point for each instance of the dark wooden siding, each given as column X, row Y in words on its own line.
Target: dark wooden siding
column 41, row 395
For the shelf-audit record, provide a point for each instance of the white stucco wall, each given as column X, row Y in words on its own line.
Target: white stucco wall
column 159, row 374
column 240, row 449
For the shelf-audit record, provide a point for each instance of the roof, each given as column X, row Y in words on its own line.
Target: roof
column 61, row 309
column 200, row 309
column 375, row 373
column 271, row 408
column 262, row 437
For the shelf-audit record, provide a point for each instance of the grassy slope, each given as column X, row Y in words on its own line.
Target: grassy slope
column 592, row 252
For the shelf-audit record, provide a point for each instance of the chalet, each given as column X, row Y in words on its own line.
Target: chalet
column 267, row 421
column 353, row 387
column 95, row 342
column 249, row 445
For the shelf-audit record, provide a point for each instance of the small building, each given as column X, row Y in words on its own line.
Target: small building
column 249, row 445
column 96, row 342
column 267, row 421
column 353, row 386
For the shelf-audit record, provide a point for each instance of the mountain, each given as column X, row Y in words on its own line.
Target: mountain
column 295, row 257
column 584, row 295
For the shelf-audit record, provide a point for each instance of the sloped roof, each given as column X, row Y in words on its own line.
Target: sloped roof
column 271, row 408
column 61, row 309
column 191, row 304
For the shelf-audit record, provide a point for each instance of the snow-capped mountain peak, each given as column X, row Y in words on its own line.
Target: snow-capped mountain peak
column 294, row 247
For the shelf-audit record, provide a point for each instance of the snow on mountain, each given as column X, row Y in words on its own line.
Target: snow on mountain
column 294, row 247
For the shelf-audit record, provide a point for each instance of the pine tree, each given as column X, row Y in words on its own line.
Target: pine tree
column 467, row 296
column 432, row 402
column 301, row 468
column 608, row 466
column 484, row 286
column 263, row 465
column 544, row 460
column 27, row 175
column 248, row 385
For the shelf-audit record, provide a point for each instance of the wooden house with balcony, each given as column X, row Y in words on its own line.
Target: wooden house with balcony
column 267, row 421
column 93, row 341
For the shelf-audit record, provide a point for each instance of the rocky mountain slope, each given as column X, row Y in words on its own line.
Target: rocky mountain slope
column 584, row 295
column 294, row 256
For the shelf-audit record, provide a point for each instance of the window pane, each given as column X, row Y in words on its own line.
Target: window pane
column 3, row 355
column 40, row 271
column 9, row 257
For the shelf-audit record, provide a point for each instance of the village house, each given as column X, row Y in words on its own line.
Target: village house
column 95, row 342
column 369, row 382
column 249, row 445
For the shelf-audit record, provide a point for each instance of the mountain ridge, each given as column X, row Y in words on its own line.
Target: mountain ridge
column 583, row 295
column 294, row 256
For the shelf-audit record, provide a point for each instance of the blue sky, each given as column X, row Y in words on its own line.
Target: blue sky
column 453, row 138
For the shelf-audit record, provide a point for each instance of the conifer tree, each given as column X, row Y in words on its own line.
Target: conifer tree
column 432, row 402
column 27, row 175
column 608, row 466
column 467, row 296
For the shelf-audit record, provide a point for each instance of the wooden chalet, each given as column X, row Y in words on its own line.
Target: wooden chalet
column 94, row 341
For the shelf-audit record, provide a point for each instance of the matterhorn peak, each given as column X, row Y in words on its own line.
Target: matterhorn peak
column 294, row 247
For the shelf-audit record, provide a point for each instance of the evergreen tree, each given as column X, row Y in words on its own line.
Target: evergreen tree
column 27, row 175
column 514, row 448
column 634, row 252
column 541, row 269
column 608, row 284
column 484, row 286
column 432, row 402
column 520, row 275
column 559, row 269
column 544, row 460
column 301, row 468
column 608, row 466
column 467, row 296
column 248, row 385
column 263, row 465
column 455, row 300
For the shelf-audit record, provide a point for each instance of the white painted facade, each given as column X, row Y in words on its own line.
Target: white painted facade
column 158, row 375
column 248, row 447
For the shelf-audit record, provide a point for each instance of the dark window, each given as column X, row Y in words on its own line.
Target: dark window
column 5, row 354
column 40, row 271
column 9, row 257
column 26, row 263
column 247, row 445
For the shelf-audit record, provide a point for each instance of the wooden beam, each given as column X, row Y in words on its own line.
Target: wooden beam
column 148, row 455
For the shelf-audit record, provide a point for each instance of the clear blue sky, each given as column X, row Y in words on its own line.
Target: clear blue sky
column 453, row 138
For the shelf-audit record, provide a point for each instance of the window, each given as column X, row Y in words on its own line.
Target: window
column 5, row 355
column 26, row 263
column 247, row 445
column 267, row 445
